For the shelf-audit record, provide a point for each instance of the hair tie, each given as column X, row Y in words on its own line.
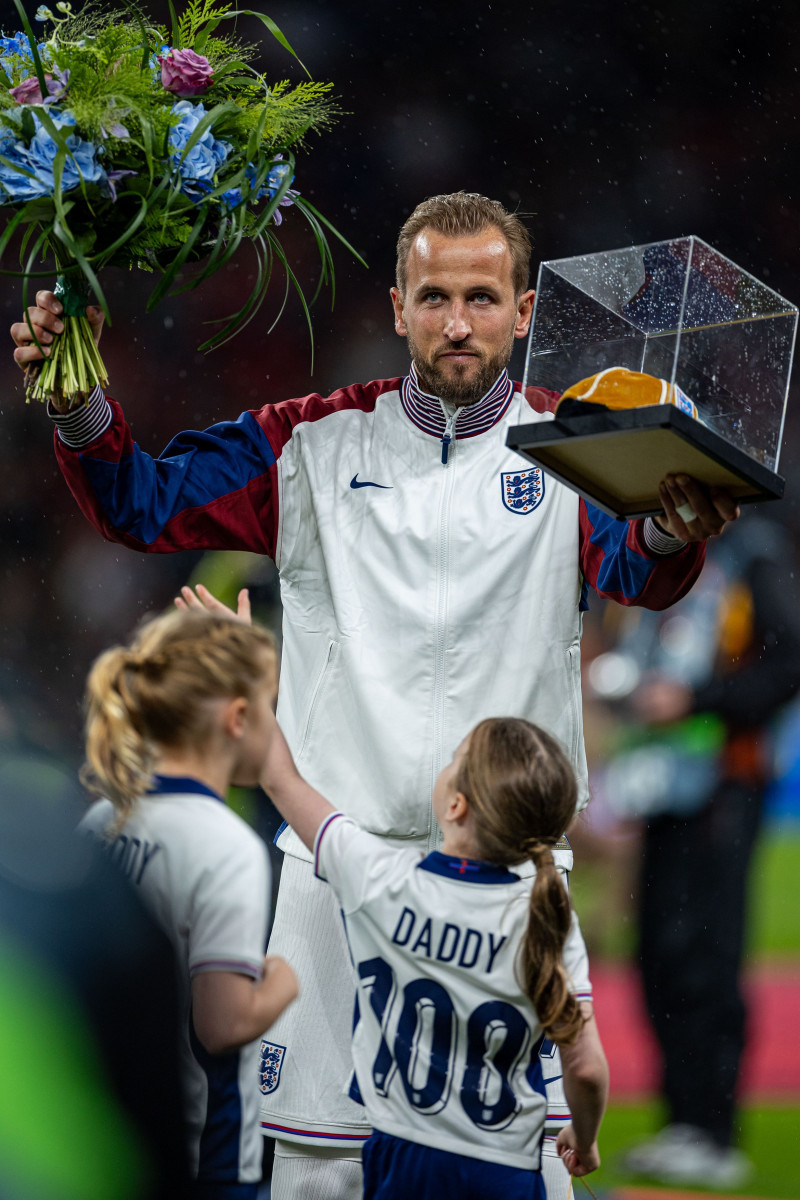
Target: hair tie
column 536, row 846
column 137, row 661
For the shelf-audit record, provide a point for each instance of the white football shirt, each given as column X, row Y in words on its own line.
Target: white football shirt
column 205, row 875
column 446, row 1043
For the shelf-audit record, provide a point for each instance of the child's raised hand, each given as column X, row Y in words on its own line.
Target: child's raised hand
column 201, row 598
column 578, row 1160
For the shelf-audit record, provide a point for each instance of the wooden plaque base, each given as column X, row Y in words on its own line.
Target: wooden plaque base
column 616, row 458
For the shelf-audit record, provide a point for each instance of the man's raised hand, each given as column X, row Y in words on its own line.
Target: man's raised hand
column 44, row 320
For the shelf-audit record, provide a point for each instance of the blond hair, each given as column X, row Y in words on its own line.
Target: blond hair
column 522, row 792
column 154, row 692
column 465, row 214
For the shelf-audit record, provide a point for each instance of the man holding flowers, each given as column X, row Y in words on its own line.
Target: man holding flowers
column 416, row 600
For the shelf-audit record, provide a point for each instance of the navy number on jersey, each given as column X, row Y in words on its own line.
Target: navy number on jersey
column 423, row 1048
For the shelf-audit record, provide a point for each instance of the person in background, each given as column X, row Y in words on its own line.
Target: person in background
column 89, row 1015
column 172, row 721
column 712, row 673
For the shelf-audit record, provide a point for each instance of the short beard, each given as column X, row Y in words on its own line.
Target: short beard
column 459, row 391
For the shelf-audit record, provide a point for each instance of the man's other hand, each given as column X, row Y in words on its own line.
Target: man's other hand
column 692, row 510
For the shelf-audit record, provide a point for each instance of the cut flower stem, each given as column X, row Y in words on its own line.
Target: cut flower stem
column 73, row 366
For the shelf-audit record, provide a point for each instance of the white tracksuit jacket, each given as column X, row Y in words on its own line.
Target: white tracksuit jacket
column 419, row 596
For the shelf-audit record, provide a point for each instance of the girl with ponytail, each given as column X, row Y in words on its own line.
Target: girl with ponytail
column 462, row 967
column 173, row 720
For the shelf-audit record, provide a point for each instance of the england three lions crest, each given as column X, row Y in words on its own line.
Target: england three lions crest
column 269, row 1067
column 523, row 491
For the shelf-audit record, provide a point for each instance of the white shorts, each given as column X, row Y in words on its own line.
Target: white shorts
column 306, row 1068
column 304, row 1094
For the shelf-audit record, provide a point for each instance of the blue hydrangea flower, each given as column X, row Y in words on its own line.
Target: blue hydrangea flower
column 200, row 165
column 275, row 177
column 28, row 172
column 17, row 179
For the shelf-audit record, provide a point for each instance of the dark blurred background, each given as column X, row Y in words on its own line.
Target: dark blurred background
column 608, row 124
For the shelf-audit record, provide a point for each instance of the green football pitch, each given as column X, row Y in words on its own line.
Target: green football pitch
column 768, row 1136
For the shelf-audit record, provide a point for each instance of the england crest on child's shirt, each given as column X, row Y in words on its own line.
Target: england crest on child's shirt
column 269, row 1068
column 523, row 491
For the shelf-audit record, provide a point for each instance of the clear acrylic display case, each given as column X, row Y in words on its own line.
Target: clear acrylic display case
column 681, row 311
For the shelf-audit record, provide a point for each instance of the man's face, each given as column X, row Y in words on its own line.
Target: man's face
column 459, row 312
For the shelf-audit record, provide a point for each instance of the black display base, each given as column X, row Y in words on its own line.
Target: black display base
column 616, row 457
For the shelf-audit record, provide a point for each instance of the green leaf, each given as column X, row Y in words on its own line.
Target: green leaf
column 271, row 26
column 306, row 204
column 37, row 62
column 40, row 209
column 164, row 285
column 27, row 124
column 176, row 27
column 106, row 254
column 19, row 218
column 254, row 301
column 28, row 274
column 137, row 17
column 63, row 233
column 204, row 34
column 278, row 249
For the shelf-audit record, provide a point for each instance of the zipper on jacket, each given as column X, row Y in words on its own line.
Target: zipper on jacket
column 440, row 626
column 449, row 434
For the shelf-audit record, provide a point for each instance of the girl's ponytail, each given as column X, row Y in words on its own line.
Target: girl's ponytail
column 118, row 755
column 522, row 792
column 543, row 976
column 155, row 693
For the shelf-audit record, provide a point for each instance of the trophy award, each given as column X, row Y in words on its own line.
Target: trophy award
column 673, row 360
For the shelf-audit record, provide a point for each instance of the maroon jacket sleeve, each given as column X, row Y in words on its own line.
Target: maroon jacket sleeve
column 214, row 489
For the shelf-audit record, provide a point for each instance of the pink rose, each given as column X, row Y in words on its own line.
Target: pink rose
column 29, row 92
column 185, row 73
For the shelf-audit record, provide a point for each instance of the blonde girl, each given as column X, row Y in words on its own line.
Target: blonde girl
column 173, row 720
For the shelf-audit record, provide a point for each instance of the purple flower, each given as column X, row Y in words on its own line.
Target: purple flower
column 114, row 129
column 185, row 73
column 284, row 203
column 110, row 184
column 29, row 92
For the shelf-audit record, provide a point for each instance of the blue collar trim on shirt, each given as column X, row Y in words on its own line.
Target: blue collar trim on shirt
column 467, row 870
column 182, row 785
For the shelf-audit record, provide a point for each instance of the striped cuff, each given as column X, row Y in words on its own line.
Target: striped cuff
column 659, row 542
column 84, row 424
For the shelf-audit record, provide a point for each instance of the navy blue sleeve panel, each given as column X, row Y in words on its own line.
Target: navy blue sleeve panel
column 617, row 564
column 211, row 490
column 208, row 490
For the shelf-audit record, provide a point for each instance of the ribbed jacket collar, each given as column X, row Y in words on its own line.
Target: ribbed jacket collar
column 426, row 411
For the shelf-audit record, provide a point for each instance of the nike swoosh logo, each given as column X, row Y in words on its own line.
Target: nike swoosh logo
column 355, row 484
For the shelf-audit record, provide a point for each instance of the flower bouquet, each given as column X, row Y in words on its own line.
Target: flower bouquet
column 124, row 143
